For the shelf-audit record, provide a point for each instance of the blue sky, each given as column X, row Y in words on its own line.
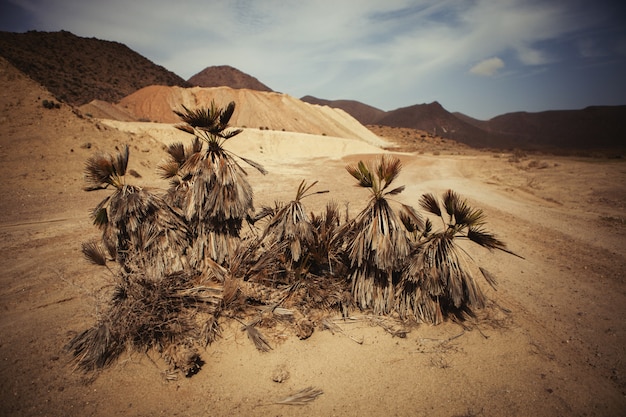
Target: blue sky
column 482, row 58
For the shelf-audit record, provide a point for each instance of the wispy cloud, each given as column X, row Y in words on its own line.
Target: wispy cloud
column 391, row 51
column 487, row 67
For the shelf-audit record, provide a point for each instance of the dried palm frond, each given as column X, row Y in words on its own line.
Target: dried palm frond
column 429, row 203
column 103, row 169
column 377, row 177
column 148, row 312
column 94, row 252
column 301, row 397
column 260, row 342
column 488, row 240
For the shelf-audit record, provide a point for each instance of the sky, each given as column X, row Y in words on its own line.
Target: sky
column 479, row 57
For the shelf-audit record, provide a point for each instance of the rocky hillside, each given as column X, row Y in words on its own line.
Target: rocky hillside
column 78, row 70
column 226, row 76
column 596, row 127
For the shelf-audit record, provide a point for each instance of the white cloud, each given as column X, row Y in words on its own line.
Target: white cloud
column 488, row 67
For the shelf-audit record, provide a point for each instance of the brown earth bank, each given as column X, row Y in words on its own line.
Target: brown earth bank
column 551, row 342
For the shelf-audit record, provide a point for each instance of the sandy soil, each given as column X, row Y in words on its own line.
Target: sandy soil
column 552, row 343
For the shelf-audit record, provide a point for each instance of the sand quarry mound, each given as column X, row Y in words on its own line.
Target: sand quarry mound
column 552, row 343
column 255, row 109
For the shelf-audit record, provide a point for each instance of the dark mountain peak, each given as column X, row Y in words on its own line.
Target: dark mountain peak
column 78, row 70
column 226, row 76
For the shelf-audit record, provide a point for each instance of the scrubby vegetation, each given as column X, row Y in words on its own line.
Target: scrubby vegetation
column 185, row 265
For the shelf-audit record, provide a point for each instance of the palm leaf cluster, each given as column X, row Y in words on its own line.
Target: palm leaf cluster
column 208, row 184
column 185, row 265
column 398, row 264
column 137, row 226
column 289, row 223
column 380, row 244
column 438, row 278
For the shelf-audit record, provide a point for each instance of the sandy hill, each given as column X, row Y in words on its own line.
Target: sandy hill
column 226, row 76
column 551, row 341
column 78, row 70
column 255, row 109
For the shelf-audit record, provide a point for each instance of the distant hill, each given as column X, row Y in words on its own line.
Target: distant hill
column 97, row 74
column 364, row 113
column 592, row 127
column 595, row 127
column 78, row 70
column 226, row 76
column 436, row 120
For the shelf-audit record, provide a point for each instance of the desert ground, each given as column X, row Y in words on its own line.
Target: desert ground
column 552, row 341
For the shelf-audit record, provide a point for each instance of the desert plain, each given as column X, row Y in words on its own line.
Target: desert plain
column 551, row 342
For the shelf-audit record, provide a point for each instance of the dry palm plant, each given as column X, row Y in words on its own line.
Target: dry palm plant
column 289, row 223
column 439, row 279
column 173, row 314
column 171, row 170
column 212, row 190
column 139, row 229
column 379, row 243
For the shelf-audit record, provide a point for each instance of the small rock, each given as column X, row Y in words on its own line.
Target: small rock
column 280, row 374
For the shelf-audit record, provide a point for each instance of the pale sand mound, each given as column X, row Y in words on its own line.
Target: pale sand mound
column 261, row 145
column 256, row 109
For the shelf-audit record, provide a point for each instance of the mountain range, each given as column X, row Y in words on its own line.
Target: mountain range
column 79, row 70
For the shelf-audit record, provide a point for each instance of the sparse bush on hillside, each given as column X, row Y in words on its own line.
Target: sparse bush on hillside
column 50, row 104
column 185, row 266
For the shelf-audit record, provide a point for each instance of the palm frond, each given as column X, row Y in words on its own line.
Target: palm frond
column 465, row 216
column 227, row 134
column 104, row 169
column 121, row 161
column 429, row 203
column 100, row 216
column 253, row 164
column 489, row 277
column 226, row 114
column 177, row 152
column 450, row 202
column 94, row 253
column 185, row 128
column 168, row 169
column 411, row 219
column 396, row 190
column 206, row 118
column 99, row 170
column 488, row 240
column 388, row 169
column 260, row 342
column 362, row 173
column 301, row 397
